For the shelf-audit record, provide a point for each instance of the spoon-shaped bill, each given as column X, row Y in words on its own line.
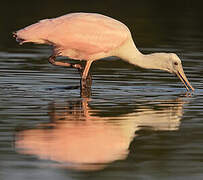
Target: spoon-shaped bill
column 180, row 73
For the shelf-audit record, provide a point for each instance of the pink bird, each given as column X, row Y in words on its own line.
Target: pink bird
column 90, row 37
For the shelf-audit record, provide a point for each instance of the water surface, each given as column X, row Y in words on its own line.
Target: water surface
column 135, row 123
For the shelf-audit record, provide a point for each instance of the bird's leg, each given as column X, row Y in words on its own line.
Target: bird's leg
column 86, row 70
column 86, row 79
column 52, row 60
column 85, row 88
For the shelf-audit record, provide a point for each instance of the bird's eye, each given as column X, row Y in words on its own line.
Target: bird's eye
column 175, row 63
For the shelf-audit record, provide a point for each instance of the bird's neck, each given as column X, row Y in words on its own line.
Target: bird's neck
column 149, row 61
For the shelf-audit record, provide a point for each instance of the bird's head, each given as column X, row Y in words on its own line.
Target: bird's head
column 174, row 66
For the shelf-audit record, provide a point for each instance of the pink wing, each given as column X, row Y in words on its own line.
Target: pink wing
column 87, row 33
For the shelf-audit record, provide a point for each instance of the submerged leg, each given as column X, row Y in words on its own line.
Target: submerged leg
column 86, row 80
column 52, row 60
column 85, row 87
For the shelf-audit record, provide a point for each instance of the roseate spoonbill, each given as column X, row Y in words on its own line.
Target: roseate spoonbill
column 92, row 36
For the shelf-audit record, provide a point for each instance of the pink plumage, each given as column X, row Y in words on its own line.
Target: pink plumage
column 77, row 35
column 91, row 36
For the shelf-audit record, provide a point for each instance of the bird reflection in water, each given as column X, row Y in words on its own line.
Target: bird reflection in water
column 77, row 137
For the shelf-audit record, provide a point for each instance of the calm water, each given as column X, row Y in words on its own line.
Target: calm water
column 135, row 123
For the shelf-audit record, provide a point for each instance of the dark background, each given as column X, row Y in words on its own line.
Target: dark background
column 148, row 20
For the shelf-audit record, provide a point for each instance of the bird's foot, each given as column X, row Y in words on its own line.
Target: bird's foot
column 77, row 66
column 52, row 60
